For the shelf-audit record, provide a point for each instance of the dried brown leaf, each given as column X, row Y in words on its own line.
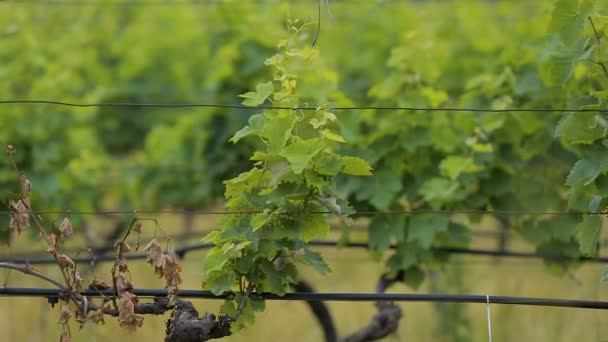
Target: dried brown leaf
column 100, row 285
column 65, row 337
column 65, row 315
column 20, row 218
column 171, row 271
column 97, row 317
column 51, row 240
column 154, row 254
column 126, row 312
column 123, row 248
column 122, row 283
column 65, row 228
column 65, row 261
column 123, row 265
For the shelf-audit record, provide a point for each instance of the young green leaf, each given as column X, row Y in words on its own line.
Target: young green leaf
column 257, row 97
column 356, row 166
column 589, row 232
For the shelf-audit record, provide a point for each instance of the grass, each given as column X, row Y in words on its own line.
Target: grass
column 32, row 319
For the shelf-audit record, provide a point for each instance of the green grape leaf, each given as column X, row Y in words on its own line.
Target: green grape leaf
column 407, row 255
column 381, row 188
column 251, row 306
column 568, row 18
column 229, row 307
column 329, row 164
column 215, row 260
column 327, row 134
column 314, row 226
column 356, row 166
column 589, row 231
column 557, row 60
column 218, row 282
column 255, row 127
column 413, row 277
column 315, row 260
column 457, row 235
column 439, row 190
column 278, row 130
column 273, row 278
column 385, row 229
column 259, row 220
column 257, row 97
column 300, row 153
column 581, row 128
column 423, row 228
column 601, row 184
column 454, row 166
column 586, row 171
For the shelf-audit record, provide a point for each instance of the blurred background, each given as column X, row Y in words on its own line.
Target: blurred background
column 474, row 54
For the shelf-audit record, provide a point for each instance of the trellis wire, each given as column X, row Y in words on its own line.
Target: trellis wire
column 348, row 297
column 358, row 213
column 182, row 251
column 238, row 106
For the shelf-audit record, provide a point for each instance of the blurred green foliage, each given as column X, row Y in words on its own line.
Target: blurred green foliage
column 474, row 54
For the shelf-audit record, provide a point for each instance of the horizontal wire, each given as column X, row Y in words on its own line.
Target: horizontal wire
column 181, row 252
column 359, row 213
column 348, row 297
column 101, row 249
column 237, row 106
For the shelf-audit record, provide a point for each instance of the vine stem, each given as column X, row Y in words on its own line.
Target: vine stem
column 119, row 257
column 242, row 303
column 10, row 151
column 27, row 269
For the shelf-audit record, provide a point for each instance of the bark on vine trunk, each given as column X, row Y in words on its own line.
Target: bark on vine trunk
column 186, row 326
column 386, row 321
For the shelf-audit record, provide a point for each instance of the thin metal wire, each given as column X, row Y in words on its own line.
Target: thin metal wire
column 182, row 251
column 321, row 297
column 237, row 106
column 359, row 213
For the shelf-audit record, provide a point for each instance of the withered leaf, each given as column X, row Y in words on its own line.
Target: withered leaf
column 126, row 312
column 20, row 218
column 171, row 271
column 122, row 283
column 123, row 247
column 65, row 228
column 122, row 265
column 65, row 261
column 51, row 240
column 97, row 317
column 98, row 284
column 154, row 254
column 65, row 337
column 65, row 315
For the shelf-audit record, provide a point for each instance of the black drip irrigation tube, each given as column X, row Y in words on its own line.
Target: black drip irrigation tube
column 323, row 297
